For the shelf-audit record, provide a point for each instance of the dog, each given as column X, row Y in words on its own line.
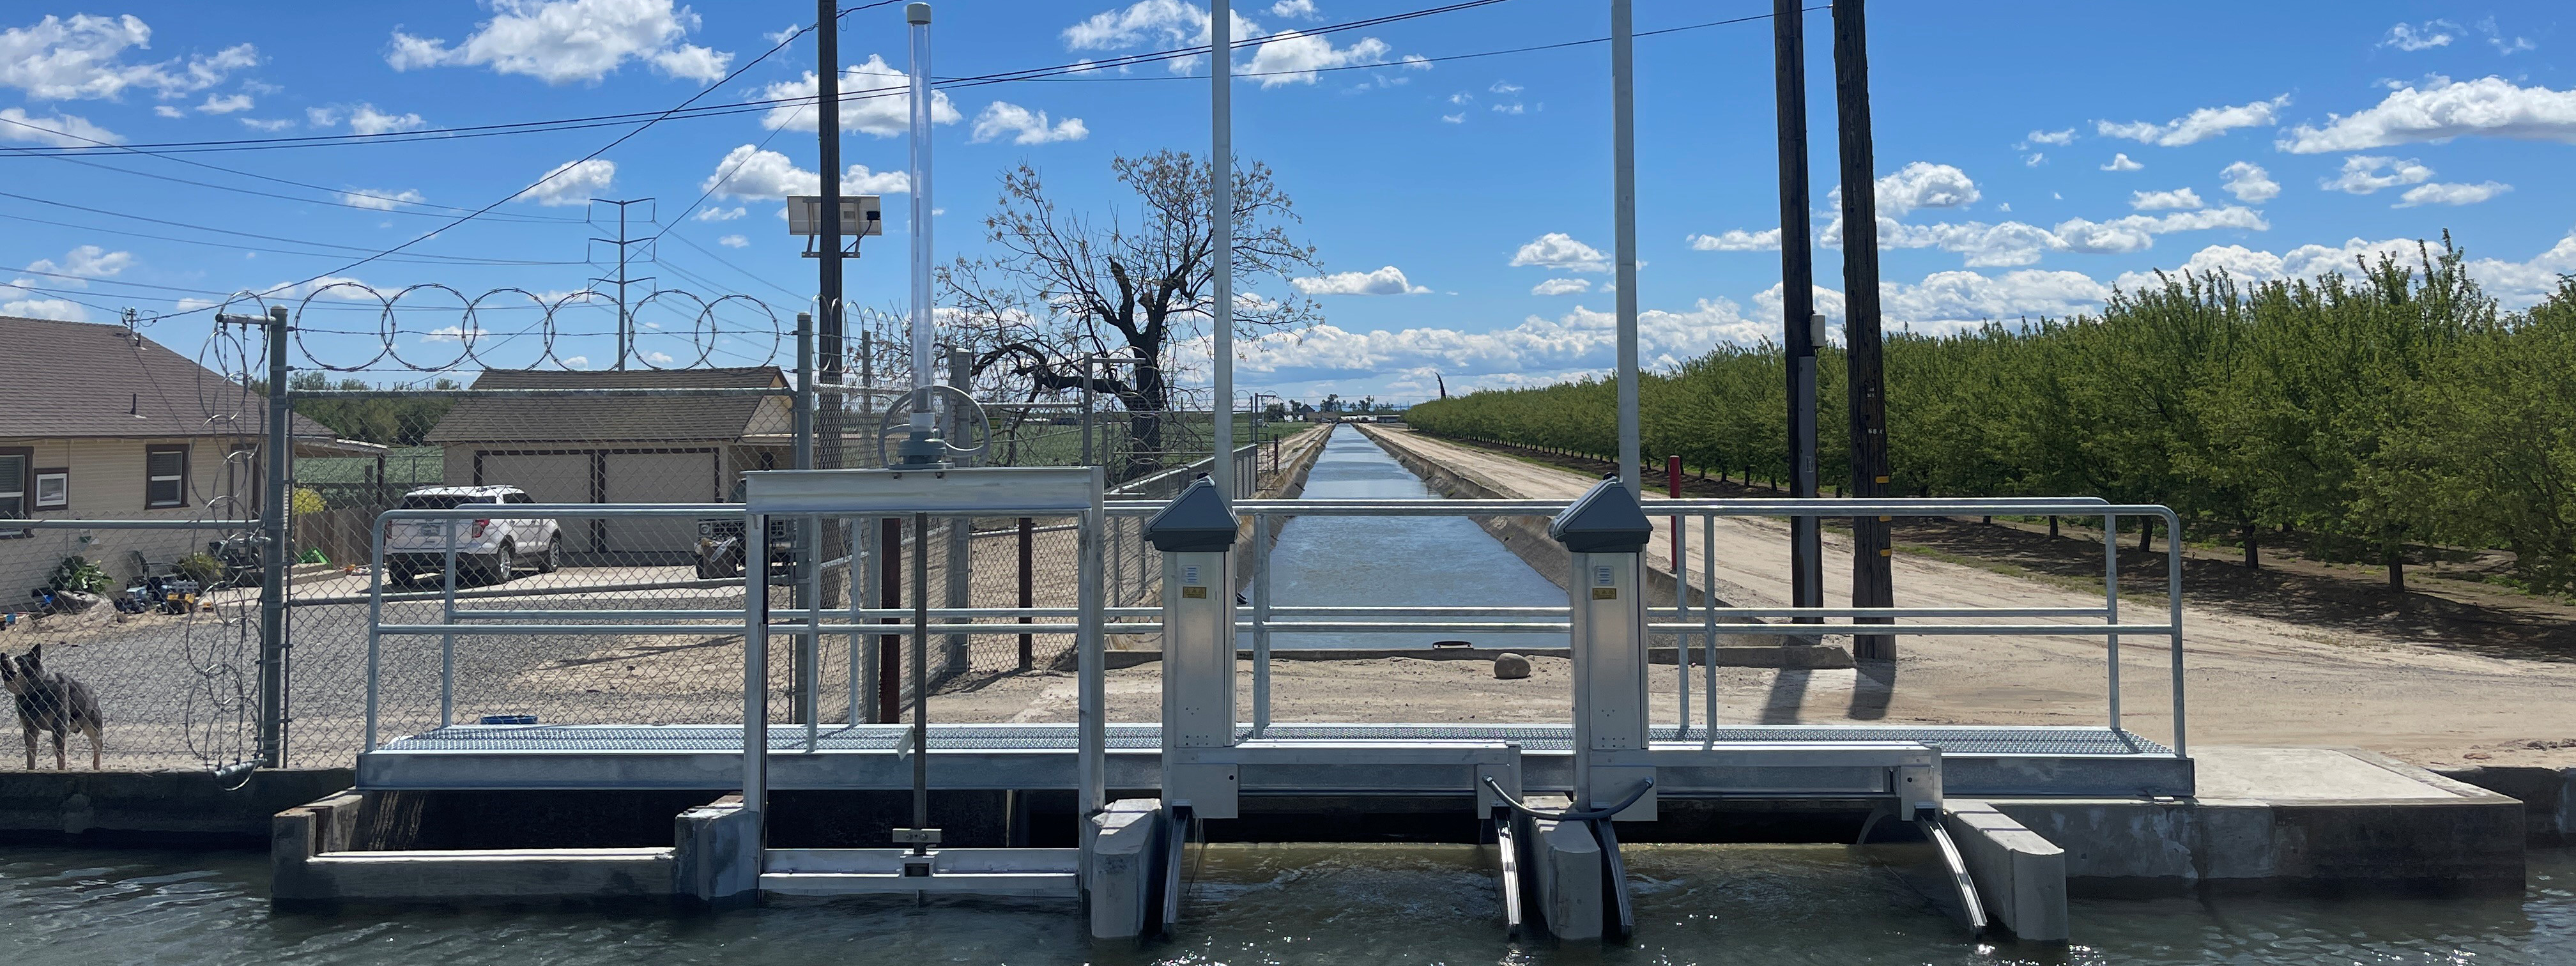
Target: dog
column 51, row 702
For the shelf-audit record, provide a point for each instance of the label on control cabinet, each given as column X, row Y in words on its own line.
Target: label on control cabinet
column 1605, row 593
column 1190, row 574
column 1601, row 577
column 1195, row 593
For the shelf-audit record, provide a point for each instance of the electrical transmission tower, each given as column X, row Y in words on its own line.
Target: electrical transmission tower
column 624, row 242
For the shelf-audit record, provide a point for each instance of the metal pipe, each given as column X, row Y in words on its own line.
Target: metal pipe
column 447, row 642
column 851, row 530
column 920, row 675
column 1623, row 165
column 2173, row 607
column 917, row 87
column 1261, row 612
column 755, row 693
column 2111, row 608
column 375, row 641
column 1708, row 615
column 274, row 555
column 1091, row 701
column 1221, row 218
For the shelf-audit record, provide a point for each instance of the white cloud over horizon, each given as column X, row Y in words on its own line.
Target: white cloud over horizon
column 562, row 41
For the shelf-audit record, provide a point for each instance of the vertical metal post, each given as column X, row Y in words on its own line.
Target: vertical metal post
column 2173, row 618
column 920, row 678
column 1681, row 593
column 1091, row 700
column 375, row 619
column 890, row 646
column 1221, row 217
column 854, row 536
column 2111, row 606
column 447, row 640
column 273, row 556
column 809, row 543
column 1798, row 321
column 1028, row 588
column 870, row 595
column 1623, row 137
column 809, row 648
column 1873, row 584
column 755, row 690
column 1708, row 574
column 1088, row 401
column 1260, row 622
column 960, row 571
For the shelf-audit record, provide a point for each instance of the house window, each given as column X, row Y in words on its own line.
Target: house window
column 165, row 476
column 14, row 487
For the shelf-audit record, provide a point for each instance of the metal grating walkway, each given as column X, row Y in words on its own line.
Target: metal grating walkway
column 1952, row 740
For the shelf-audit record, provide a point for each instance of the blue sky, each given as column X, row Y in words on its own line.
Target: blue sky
column 2032, row 156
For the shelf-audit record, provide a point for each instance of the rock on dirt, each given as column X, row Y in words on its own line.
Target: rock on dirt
column 1511, row 667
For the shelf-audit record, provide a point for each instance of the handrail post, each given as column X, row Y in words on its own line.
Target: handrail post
column 375, row 619
column 1260, row 623
column 447, row 641
column 2111, row 605
column 2173, row 615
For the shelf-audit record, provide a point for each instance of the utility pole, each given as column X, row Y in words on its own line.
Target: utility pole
column 1873, row 584
column 1800, row 327
column 828, row 353
column 625, row 325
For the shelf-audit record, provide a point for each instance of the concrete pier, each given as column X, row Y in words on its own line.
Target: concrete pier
column 1563, row 863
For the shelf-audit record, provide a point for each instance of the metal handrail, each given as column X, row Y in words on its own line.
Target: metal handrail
column 1267, row 618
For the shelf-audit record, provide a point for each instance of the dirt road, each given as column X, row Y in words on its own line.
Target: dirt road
column 2251, row 676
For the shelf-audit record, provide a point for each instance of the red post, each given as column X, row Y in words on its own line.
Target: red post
column 1028, row 588
column 890, row 646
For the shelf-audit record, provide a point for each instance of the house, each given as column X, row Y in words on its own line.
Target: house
column 99, row 422
column 619, row 449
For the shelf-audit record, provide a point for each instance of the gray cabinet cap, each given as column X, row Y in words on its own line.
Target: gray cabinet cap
column 1197, row 521
column 1606, row 519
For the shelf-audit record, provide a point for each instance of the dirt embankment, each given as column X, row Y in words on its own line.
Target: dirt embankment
column 2275, row 657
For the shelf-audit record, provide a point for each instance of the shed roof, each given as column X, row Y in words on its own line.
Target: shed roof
column 62, row 381
column 613, row 419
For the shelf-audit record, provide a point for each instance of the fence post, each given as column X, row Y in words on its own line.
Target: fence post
column 1028, row 588
column 809, row 562
column 273, row 556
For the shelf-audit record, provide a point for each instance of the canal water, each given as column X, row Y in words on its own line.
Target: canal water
column 1394, row 561
column 1735, row 904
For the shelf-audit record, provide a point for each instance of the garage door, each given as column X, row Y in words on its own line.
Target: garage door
column 550, row 478
column 665, row 477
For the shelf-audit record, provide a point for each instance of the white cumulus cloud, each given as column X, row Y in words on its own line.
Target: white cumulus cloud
column 1002, row 119
column 2197, row 126
column 734, row 241
column 2488, row 107
column 1558, row 250
column 1737, row 240
column 2177, row 199
column 382, row 200
column 749, row 172
column 875, row 98
column 2450, row 194
column 225, row 104
column 2364, row 174
column 2250, row 183
column 1385, row 281
column 2121, row 162
column 1922, row 184
column 572, row 183
column 561, row 41
column 1562, row 286
column 365, row 119
column 60, row 130
column 82, row 57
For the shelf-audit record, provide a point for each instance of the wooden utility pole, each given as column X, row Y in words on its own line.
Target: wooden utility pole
column 1797, row 300
column 1872, row 583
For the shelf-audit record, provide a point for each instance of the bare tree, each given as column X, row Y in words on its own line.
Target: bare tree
column 1067, row 285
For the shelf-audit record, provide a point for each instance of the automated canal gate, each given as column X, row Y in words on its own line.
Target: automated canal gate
column 918, row 867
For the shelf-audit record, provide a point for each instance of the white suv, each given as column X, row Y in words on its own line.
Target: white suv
column 488, row 550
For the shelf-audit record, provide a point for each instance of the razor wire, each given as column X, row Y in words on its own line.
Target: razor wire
column 478, row 326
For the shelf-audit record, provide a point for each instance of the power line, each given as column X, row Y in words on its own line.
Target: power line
column 219, row 231
column 551, row 175
column 416, row 259
column 611, row 120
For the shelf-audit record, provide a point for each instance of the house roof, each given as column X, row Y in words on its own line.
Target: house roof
column 85, row 380
column 617, row 419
